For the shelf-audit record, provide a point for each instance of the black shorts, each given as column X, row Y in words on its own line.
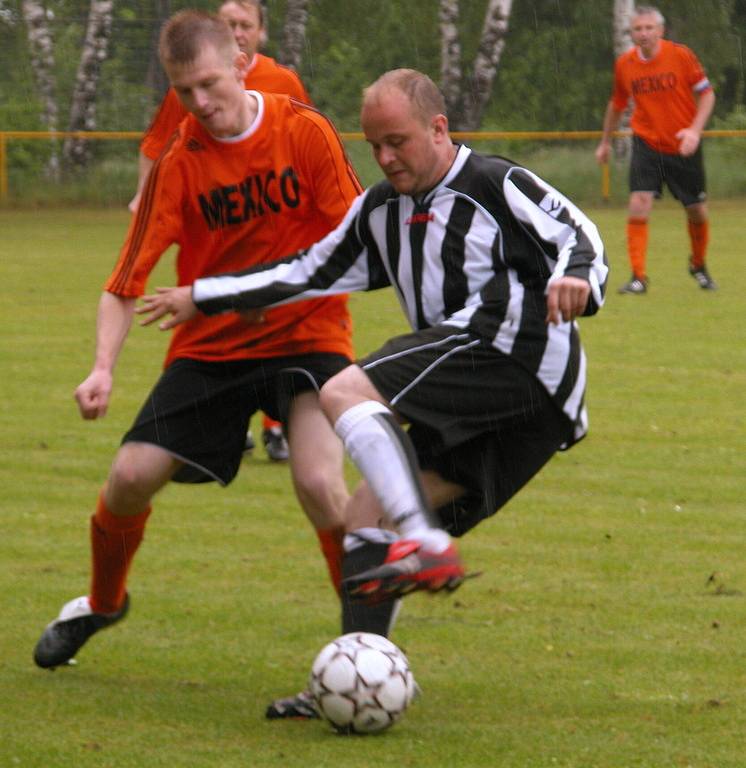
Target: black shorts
column 476, row 416
column 199, row 411
column 684, row 176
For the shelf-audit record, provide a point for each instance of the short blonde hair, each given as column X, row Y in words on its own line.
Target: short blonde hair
column 185, row 34
column 419, row 89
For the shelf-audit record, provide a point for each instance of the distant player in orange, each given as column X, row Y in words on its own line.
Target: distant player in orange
column 246, row 176
column 673, row 99
column 246, row 20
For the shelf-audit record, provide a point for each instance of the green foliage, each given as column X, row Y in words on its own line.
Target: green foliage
column 347, row 51
column 605, row 632
column 555, row 72
column 19, row 107
column 335, row 92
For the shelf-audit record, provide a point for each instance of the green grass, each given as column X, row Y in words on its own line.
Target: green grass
column 608, row 627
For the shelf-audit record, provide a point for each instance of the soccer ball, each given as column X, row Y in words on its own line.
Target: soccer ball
column 361, row 683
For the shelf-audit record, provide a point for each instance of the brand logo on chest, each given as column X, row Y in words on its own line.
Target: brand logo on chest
column 419, row 218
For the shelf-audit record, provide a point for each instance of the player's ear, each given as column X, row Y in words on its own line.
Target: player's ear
column 241, row 65
column 439, row 127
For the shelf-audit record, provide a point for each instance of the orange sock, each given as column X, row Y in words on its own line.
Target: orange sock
column 637, row 246
column 331, row 540
column 699, row 235
column 268, row 423
column 114, row 541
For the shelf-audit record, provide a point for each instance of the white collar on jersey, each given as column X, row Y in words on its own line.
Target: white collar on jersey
column 256, row 122
column 462, row 155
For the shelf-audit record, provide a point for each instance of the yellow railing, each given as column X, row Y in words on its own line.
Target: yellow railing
column 5, row 136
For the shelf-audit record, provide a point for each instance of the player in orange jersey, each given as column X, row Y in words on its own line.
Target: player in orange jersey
column 248, row 177
column 246, row 20
column 673, row 100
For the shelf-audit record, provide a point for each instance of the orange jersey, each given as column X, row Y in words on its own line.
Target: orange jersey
column 264, row 74
column 232, row 204
column 662, row 90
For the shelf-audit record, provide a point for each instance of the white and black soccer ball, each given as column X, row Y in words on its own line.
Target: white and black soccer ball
column 361, row 683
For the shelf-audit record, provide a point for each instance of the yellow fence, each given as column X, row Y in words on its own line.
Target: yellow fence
column 6, row 136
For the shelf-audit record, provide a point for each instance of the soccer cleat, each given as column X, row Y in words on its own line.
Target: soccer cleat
column 702, row 276
column 275, row 444
column 67, row 634
column 408, row 567
column 635, row 285
column 299, row 707
column 250, row 443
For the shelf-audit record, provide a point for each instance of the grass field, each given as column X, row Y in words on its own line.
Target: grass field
column 607, row 630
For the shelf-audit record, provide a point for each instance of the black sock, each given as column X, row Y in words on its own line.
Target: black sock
column 356, row 616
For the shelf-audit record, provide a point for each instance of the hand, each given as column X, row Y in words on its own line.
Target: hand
column 688, row 141
column 134, row 203
column 602, row 153
column 567, row 297
column 174, row 301
column 92, row 395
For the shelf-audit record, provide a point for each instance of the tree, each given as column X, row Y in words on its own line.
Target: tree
column 466, row 101
column 76, row 152
column 41, row 48
column 294, row 34
column 623, row 10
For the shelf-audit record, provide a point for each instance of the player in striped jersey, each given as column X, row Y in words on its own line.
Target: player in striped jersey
column 492, row 266
column 673, row 99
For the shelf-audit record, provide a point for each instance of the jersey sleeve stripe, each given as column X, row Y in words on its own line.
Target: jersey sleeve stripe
column 142, row 217
column 299, row 107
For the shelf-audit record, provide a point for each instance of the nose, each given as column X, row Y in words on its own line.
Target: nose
column 385, row 156
column 200, row 99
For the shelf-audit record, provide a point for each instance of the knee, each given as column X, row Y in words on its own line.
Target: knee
column 333, row 395
column 697, row 213
column 125, row 474
column 321, row 488
column 330, row 394
column 131, row 477
column 347, row 388
column 640, row 205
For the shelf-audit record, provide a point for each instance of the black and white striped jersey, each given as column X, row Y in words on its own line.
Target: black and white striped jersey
column 476, row 252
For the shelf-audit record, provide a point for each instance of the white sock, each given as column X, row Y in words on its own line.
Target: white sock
column 382, row 452
column 361, row 536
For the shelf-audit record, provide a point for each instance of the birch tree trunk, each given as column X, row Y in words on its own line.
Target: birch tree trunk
column 450, row 55
column 623, row 10
column 466, row 97
column 491, row 44
column 294, row 34
column 76, row 152
column 41, row 46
